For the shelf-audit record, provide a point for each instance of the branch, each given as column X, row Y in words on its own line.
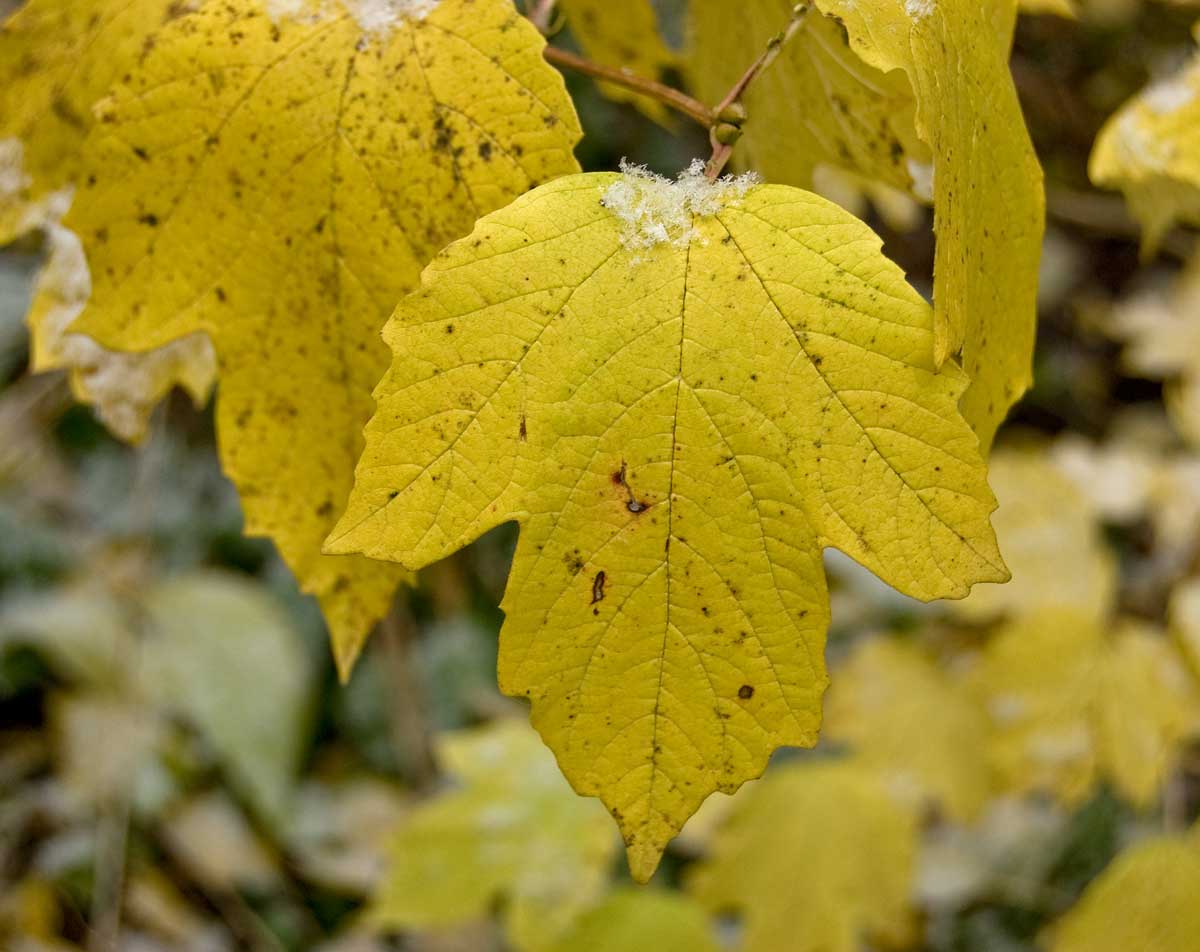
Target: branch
column 724, row 135
column 681, row 102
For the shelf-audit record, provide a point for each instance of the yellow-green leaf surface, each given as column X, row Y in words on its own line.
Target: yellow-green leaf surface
column 816, row 858
column 513, row 833
column 923, row 732
column 989, row 206
column 1148, row 900
column 624, row 34
column 642, row 919
column 57, row 58
column 279, row 183
column 123, row 388
column 819, row 104
column 1071, row 705
column 1150, row 150
column 1051, row 537
column 683, row 392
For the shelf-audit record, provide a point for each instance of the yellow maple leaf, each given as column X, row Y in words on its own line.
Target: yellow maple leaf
column 1150, row 150
column 624, row 34
column 989, row 206
column 642, row 919
column 1044, row 523
column 683, row 392
column 1148, row 900
column 1071, row 704
column 513, row 830
column 919, row 729
column 816, row 858
column 123, row 388
column 57, row 58
column 278, row 182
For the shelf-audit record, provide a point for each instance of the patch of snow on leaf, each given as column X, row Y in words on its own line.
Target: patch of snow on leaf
column 918, row 9
column 1167, row 97
column 655, row 210
column 374, row 16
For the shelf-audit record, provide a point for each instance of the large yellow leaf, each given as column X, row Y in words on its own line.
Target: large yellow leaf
column 57, row 58
column 1150, row 150
column 625, row 34
column 1052, row 541
column 1071, row 705
column 816, row 858
column 923, row 733
column 1148, row 900
column 683, row 392
column 513, row 831
column 279, row 184
column 989, row 206
column 819, row 104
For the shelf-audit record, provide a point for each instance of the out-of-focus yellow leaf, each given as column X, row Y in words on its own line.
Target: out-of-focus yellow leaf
column 819, row 104
column 123, row 388
column 57, row 58
column 1071, row 704
column 1148, row 900
column 987, row 185
column 1051, row 540
column 1150, row 150
column 587, row 363
column 816, row 858
column 1185, row 622
column 1162, row 334
column 647, row 919
column 922, row 732
column 279, row 183
column 513, row 832
column 624, row 34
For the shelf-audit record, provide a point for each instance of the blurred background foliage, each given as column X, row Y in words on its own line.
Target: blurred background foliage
column 180, row 769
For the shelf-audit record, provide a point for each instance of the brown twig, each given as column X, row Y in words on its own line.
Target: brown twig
column 723, row 143
column 681, row 102
column 410, row 723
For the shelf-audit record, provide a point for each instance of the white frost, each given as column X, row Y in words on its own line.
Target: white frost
column 918, row 9
column 655, row 210
column 374, row 16
column 1169, row 96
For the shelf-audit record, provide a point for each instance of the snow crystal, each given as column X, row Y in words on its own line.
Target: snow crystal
column 655, row 210
column 918, row 9
column 374, row 16
column 1167, row 97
